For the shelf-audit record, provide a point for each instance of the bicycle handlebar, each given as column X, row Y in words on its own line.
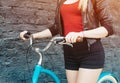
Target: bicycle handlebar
column 55, row 40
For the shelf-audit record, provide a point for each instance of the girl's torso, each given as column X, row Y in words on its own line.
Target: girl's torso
column 72, row 17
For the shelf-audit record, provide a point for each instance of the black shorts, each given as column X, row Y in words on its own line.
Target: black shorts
column 81, row 56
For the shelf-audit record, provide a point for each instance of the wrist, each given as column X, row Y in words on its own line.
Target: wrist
column 33, row 36
column 82, row 34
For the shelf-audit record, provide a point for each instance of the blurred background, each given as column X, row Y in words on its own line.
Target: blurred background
column 16, row 64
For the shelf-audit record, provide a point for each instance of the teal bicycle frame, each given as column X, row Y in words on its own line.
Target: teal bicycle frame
column 107, row 76
column 39, row 69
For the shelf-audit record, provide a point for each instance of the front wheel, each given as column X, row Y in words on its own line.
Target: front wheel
column 107, row 77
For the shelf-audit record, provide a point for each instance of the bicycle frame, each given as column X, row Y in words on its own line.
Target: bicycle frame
column 107, row 74
column 38, row 68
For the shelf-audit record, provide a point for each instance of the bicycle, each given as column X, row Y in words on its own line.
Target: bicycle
column 38, row 68
column 105, row 77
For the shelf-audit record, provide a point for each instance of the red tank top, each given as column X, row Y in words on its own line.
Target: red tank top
column 72, row 18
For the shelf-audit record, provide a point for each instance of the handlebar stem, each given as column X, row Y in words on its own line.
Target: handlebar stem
column 40, row 54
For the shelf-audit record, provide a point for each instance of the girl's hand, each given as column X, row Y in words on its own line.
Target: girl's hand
column 74, row 37
column 22, row 35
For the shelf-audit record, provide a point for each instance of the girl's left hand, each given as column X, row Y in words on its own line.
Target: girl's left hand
column 73, row 37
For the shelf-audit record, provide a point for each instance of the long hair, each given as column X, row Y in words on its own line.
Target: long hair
column 83, row 5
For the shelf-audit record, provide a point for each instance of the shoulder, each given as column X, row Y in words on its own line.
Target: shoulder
column 101, row 4
column 104, row 2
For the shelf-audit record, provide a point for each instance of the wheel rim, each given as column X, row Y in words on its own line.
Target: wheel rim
column 107, row 79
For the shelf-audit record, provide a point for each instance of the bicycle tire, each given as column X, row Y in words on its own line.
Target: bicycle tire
column 107, row 76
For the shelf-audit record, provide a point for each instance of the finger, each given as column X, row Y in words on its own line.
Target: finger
column 73, row 38
column 22, row 35
column 67, row 37
column 79, row 39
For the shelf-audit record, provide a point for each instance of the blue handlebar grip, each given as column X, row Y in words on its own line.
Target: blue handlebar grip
column 40, row 69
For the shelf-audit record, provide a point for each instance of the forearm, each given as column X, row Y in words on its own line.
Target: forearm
column 99, row 32
column 43, row 34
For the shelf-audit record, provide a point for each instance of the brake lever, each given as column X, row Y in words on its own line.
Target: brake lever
column 69, row 44
column 64, row 43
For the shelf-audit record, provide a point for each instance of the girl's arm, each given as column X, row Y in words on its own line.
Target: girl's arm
column 99, row 32
column 43, row 34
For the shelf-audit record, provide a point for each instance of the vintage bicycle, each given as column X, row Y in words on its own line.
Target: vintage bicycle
column 105, row 77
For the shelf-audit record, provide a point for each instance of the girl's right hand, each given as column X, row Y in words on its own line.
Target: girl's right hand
column 22, row 35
